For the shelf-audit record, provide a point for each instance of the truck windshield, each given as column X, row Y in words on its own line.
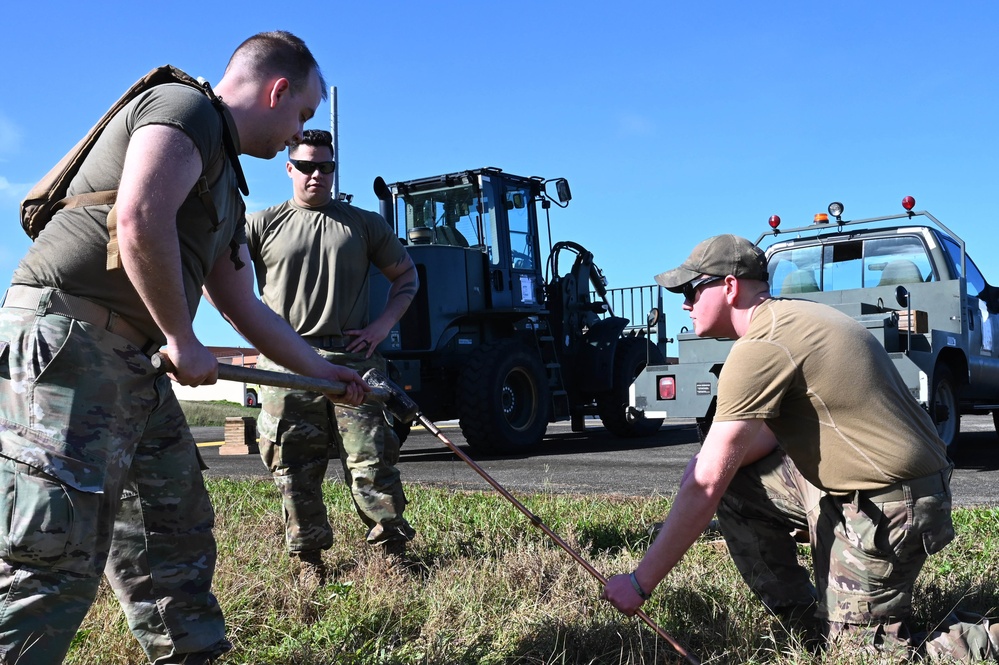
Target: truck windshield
column 849, row 264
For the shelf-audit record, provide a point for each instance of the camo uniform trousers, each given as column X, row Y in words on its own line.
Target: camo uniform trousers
column 866, row 552
column 298, row 430
column 98, row 473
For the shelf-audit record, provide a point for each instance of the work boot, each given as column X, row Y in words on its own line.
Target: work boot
column 312, row 570
column 206, row 657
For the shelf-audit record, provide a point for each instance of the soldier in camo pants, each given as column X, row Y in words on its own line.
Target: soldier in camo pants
column 814, row 429
column 867, row 551
column 127, row 482
column 299, row 429
column 314, row 257
column 98, row 470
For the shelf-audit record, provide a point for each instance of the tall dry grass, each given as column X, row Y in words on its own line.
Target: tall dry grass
column 485, row 586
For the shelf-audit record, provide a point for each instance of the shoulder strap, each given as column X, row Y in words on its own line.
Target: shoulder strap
column 210, row 173
column 49, row 195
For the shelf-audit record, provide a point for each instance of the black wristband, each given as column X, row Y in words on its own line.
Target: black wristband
column 638, row 587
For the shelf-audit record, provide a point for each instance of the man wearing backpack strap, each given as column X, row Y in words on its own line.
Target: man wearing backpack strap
column 93, row 445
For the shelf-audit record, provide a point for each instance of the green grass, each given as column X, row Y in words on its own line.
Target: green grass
column 213, row 414
column 485, row 586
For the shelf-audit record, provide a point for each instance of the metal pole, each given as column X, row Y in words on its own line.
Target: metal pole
column 335, row 130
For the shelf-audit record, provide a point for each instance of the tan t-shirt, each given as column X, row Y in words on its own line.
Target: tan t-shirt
column 71, row 252
column 312, row 264
column 831, row 395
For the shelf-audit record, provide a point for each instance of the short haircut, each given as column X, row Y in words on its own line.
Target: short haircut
column 279, row 53
column 318, row 138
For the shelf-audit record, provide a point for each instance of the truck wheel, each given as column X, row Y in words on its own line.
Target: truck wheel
column 251, row 399
column 944, row 409
column 503, row 399
column 630, row 358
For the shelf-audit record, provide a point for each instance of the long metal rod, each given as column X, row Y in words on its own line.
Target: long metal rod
column 265, row 377
column 280, row 379
column 536, row 521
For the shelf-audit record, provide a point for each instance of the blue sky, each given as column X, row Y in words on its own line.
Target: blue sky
column 672, row 121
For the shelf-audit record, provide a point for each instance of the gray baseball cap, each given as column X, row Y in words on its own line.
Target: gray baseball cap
column 719, row 256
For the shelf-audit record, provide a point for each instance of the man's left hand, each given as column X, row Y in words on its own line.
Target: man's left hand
column 366, row 340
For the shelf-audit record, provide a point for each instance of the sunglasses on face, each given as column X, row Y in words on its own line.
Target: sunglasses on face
column 308, row 168
column 690, row 288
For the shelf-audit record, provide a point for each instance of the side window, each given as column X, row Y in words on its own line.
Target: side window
column 975, row 283
column 794, row 271
column 894, row 261
column 521, row 240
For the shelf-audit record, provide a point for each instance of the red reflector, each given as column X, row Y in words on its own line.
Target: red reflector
column 667, row 387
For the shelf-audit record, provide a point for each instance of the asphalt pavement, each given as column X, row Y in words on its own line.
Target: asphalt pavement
column 596, row 462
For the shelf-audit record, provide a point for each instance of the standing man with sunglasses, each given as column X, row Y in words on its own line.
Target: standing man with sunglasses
column 814, row 429
column 313, row 256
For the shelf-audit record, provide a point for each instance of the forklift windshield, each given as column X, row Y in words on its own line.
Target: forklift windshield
column 447, row 216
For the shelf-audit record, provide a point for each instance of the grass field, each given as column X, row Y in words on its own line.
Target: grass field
column 485, row 586
column 209, row 414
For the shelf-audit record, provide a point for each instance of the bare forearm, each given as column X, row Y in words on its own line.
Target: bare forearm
column 400, row 297
column 692, row 510
column 152, row 262
column 273, row 337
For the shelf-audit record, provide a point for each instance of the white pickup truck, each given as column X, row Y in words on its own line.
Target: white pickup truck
column 906, row 277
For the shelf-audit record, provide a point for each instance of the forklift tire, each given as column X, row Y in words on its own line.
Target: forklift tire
column 503, row 399
column 630, row 358
column 944, row 408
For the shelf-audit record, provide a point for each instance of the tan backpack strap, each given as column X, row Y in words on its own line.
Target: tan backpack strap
column 114, row 256
column 105, row 198
column 204, row 193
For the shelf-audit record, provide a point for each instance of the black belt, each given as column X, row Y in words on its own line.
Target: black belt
column 81, row 309
column 331, row 342
column 935, row 483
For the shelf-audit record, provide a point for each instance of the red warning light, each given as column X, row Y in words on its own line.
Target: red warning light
column 908, row 203
column 774, row 221
column 667, row 387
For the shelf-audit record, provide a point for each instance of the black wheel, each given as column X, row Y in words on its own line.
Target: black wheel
column 630, row 358
column 995, row 419
column 944, row 409
column 251, row 399
column 503, row 398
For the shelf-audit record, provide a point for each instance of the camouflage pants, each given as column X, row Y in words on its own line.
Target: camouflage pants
column 298, row 430
column 98, row 474
column 866, row 555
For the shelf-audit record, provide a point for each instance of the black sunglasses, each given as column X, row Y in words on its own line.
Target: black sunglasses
column 690, row 288
column 308, row 168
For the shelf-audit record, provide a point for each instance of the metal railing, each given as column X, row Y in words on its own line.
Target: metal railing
column 634, row 303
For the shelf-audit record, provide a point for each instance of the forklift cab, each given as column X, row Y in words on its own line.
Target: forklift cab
column 483, row 211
